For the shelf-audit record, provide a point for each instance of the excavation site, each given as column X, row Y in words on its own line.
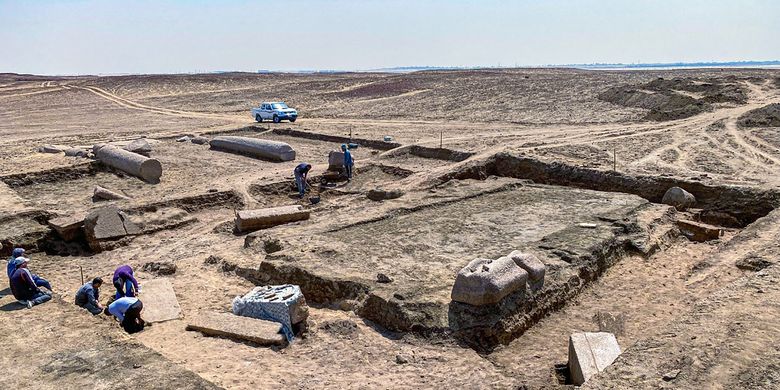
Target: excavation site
column 508, row 228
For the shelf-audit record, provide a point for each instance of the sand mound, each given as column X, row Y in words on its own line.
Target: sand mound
column 675, row 98
column 767, row 116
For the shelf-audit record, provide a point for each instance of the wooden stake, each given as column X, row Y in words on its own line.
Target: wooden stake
column 441, row 139
column 82, row 275
column 614, row 160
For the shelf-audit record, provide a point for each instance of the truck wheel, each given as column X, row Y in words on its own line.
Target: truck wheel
column 259, row 118
column 276, row 119
column 292, row 120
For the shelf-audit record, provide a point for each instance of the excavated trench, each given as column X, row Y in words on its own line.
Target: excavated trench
column 728, row 206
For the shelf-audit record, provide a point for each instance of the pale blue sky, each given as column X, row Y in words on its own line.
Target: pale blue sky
column 102, row 37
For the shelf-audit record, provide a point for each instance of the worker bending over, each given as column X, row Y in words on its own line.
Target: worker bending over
column 125, row 283
column 127, row 311
column 301, row 173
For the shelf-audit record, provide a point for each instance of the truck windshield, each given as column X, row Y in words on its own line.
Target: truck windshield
column 279, row 105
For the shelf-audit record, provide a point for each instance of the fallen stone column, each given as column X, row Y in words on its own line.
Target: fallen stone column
column 148, row 169
column 101, row 193
column 248, row 220
column 266, row 149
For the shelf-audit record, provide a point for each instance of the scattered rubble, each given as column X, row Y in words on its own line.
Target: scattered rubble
column 161, row 268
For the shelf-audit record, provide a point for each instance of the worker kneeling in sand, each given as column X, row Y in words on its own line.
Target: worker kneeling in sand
column 128, row 311
column 349, row 163
column 125, row 283
column 88, row 296
column 15, row 261
column 24, row 288
column 301, row 173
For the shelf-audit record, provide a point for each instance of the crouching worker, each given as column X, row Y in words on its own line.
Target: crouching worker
column 24, row 288
column 125, row 283
column 88, row 296
column 127, row 311
column 15, row 261
column 301, row 173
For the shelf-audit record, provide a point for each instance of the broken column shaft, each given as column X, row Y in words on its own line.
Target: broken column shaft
column 148, row 169
column 262, row 148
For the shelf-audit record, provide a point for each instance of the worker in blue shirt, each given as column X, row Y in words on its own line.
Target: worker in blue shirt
column 128, row 311
column 348, row 162
column 301, row 171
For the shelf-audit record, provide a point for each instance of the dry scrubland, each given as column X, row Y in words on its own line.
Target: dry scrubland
column 487, row 161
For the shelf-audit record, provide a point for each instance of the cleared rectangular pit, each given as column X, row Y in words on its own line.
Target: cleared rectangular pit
column 421, row 250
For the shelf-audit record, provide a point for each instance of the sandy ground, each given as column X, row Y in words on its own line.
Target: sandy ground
column 551, row 115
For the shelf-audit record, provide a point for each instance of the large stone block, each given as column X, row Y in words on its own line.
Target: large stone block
column 248, row 220
column 139, row 146
column 533, row 266
column 591, row 353
column 284, row 304
column 107, row 224
column 241, row 328
column 679, row 198
column 485, row 281
column 68, row 227
column 255, row 147
column 335, row 160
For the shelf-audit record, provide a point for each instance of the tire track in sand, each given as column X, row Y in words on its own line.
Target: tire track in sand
column 156, row 110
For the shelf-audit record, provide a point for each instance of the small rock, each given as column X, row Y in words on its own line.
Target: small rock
column 753, row 263
column 382, row 278
column 380, row 194
column 213, row 260
column 183, row 139
column 160, row 268
column 140, row 146
column 587, row 225
column 199, row 140
column 53, row 148
column 76, row 152
column 671, row 375
column 398, row 296
column 402, row 358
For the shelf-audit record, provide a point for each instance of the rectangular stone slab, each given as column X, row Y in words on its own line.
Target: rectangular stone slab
column 235, row 327
column 248, row 220
column 591, row 353
column 159, row 299
column 698, row 231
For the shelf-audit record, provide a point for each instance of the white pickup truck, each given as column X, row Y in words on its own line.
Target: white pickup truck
column 274, row 111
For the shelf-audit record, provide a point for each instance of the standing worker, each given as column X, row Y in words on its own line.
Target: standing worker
column 348, row 162
column 301, row 172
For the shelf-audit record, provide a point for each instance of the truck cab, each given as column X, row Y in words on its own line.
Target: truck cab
column 274, row 111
